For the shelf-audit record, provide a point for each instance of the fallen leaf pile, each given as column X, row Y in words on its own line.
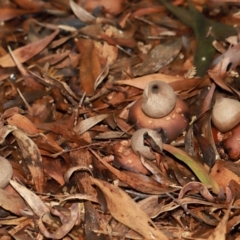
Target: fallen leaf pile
column 74, row 78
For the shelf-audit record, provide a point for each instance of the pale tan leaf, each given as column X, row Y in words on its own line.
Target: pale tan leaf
column 81, row 13
column 4, row 131
column 31, row 154
column 34, row 202
column 86, row 124
column 220, row 231
column 126, row 211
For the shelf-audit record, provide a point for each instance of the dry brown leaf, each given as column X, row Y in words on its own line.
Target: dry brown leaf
column 34, row 201
column 178, row 83
column 126, row 211
column 90, row 65
column 32, row 156
column 28, row 51
column 220, row 231
column 229, row 60
column 9, row 13
column 110, row 53
column 223, row 175
column 53, row 59
column 80, row 196
column 109, row 6
column 29, row 81
column 196, row 186
column 52, row 167
column 81, row 13
column 23, row 123
column 28, row 4
column 137, row 181
column 12, row 202
column 86, row 124
column 159, row 56
column 219, row 81
column 4, row 131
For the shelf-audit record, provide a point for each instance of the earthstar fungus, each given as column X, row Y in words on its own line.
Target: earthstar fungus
column 160, row 109
column 226, row 114
column 226, row 118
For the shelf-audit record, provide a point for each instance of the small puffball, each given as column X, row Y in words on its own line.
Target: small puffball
column 137, row 142
column 226, row 114
column 159, row 99
column 6, row 172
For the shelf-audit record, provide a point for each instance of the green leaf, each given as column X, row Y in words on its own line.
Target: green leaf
column 205, row 30
column 200, row 171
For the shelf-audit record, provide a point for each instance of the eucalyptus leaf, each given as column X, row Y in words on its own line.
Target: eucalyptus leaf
column 205, row 30
column 200, row 171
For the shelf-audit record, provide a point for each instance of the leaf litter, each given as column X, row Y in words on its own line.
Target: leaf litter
column 70, row 73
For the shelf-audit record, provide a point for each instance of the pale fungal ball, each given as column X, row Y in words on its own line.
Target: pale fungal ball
column 159, row 99
column 226, row 114
column 137, row 142
column 6, row 172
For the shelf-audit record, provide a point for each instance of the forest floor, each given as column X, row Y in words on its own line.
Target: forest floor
column 74, row 78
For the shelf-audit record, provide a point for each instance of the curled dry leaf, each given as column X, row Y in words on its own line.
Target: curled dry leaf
column 80, row 196
column 81, row 13
column 121, row 206
column 4, row 131
column 191, row 186
column 71, row 170
column 229, row 60
column 66, row 227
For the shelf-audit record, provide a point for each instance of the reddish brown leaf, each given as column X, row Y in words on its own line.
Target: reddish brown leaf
column 32, row 156
column 9, row 13
column 90, row 65
column 28, row 51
